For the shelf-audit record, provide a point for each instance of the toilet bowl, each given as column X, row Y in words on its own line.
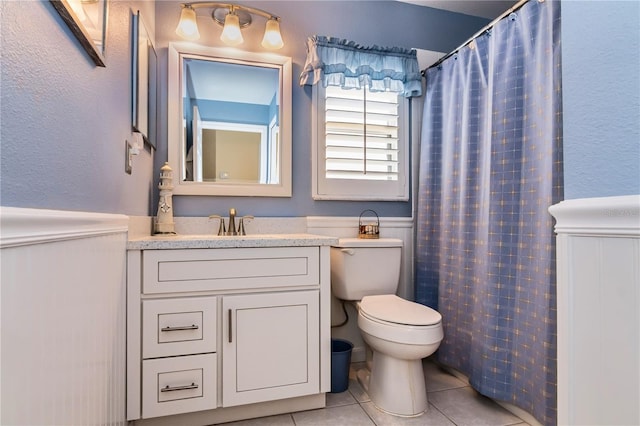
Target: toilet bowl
column 399, row 332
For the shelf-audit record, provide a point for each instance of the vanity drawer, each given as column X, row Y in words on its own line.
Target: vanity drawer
column 179, row 326
column 178, row 385
column 229, row 269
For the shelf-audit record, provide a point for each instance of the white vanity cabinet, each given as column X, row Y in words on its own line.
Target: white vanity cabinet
column 230, row 331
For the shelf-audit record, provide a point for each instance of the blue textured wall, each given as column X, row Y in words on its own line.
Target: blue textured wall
column 384, row 23
column 64, row 121
column 601, row 97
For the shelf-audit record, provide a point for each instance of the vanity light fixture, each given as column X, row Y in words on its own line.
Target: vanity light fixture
column 188, row 27
column 232, row 17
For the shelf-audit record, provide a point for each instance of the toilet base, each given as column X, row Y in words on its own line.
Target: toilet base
column 395, row 386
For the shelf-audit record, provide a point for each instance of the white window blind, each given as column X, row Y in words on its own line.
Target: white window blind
column 360, row 146
column 361, row 134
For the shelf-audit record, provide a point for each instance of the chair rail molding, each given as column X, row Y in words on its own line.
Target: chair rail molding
column 22, row 226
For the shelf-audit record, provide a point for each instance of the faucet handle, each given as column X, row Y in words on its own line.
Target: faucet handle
column 221, row 229
column 241, row 225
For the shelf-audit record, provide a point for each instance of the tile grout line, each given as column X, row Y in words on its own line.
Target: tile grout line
column 367, row 413
column 443, row 414
column 439, row 410
column 360, row 405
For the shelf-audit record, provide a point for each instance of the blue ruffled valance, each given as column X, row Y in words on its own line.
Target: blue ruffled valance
column 346, row 64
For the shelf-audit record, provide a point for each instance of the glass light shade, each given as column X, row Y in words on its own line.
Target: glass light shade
column 187, row 27
column 231, row 34
column 272, row 38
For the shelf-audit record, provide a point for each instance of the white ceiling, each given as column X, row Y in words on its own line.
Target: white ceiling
column 489, row 9
column 220, row 81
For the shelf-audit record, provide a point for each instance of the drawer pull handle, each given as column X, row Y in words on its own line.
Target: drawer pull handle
column 179, row 388
column 184, row 327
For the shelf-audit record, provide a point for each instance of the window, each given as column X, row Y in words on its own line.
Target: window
column 360, row 145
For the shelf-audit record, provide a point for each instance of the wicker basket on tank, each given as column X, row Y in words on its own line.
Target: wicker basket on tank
column 369, row 230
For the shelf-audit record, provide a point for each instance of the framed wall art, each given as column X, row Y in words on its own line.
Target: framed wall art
column 87, row 20
column 144, row 78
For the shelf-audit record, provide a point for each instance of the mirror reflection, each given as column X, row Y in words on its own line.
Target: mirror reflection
column 231, row 122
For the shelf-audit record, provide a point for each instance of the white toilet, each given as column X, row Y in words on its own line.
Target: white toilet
column 399, row 332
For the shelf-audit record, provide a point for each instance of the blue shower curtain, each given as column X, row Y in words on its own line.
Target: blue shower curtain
column 490, row 166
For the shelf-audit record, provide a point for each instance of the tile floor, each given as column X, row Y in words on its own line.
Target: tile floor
column 451, row 402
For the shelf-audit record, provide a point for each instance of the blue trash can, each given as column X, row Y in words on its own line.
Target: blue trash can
column 340, row 362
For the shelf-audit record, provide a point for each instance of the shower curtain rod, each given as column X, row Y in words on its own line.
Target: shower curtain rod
column 473, row 37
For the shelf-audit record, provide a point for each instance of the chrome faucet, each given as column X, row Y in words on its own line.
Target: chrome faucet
column 222, row 229
column 232, row 222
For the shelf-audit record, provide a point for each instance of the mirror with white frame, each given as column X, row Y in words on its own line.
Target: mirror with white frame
column 229, row 122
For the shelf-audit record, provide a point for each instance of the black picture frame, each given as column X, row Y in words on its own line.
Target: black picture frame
column 88, row 23
column 144, row 81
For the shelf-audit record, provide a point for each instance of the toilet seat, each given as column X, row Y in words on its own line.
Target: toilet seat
column 389, row 308
column 394, row 319
column 400, row 333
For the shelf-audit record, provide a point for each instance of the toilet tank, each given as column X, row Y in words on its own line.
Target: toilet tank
column 364, row 267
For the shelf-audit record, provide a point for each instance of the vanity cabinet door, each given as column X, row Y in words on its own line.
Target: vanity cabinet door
column 270, row 346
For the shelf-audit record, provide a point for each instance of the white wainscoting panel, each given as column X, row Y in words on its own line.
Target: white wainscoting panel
column 598, row 251
column 63, row 317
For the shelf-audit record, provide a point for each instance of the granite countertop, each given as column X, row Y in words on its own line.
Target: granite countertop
column 168, row 242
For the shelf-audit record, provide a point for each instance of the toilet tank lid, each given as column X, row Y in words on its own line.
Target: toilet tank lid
column 366, row 242
column 391, row 308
